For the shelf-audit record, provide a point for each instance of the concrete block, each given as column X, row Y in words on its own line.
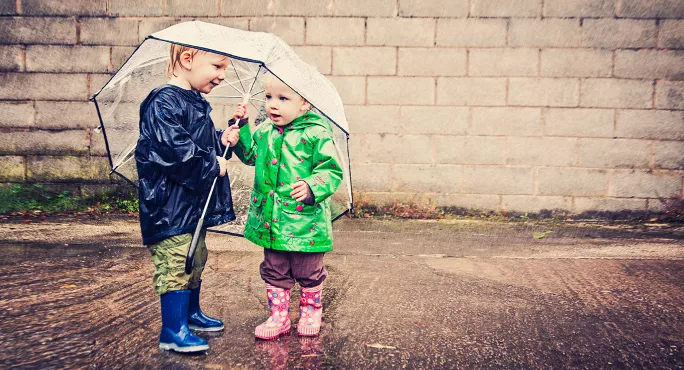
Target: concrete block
column 503, row 62
column 649, row 64
column 668, row 155
column 400, row 32
column 506, row 121
column 471, row 91
column 542, row 151
column 669, row 94
column 535, row 204
column 12, row 169
column 443, row 62
column 54, row 115
column 614, row 153
column 372, row 177
column 44, row 142
column 579, row 122
column 352, row 90
column 646, row 184
column 650, row 9
column 232, row 22
column 42, row 86
column 435, row 8
column 511, row 8
column 69, row 8
column 109, row 31
column 97, row 82
column 8, row 7
column 468, row 202
column 136, row 8
column 470, row 150
column 608, row 205
column 572, row 181
column 497, row 180
column 17, row 114
column 347, row 31
column 471, row 32
column 303, row 8
column 241, row 8
column 550, row 32
column 364, row 61
column 375, row 119
column 671, row 34
column 422, row 179
column 67, row 169
column 616, row 93
column 10, row 59
column 434, row 120
column 576, row 63
column 407, row 149
column 618, row 33
column 37, row 30
column 401, row 90
column 544, row 92
column 291, row 30
column 184, row 8
column 579, row 8
column 54, row 58
column 357, row 150
column 364, row 8
column 650, row 124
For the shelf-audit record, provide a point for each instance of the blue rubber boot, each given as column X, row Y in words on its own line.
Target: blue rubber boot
column 197, row 320
column 175, row 334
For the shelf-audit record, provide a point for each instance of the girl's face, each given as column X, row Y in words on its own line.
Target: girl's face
column 283, row 105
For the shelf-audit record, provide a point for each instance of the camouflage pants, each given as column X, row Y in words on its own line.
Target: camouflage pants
column 169, row 257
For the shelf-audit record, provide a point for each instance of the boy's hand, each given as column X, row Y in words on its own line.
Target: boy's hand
column 231, row 136
column 302, row 193
column 222, row 165
column 240, row 112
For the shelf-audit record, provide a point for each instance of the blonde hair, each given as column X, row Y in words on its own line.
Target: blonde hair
column 175, row 53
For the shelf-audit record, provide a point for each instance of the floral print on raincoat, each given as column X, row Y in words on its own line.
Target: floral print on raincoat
column 301, row 150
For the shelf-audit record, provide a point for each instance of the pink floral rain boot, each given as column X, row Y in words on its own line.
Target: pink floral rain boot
column 279, row 322
column 310, row 311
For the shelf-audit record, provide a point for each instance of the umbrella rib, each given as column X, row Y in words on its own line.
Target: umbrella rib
column 255, row 79
column 238, row 75
column 231, row 85
column 257, row 93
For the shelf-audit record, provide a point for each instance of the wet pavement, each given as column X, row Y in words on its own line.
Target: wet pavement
column 401, row 294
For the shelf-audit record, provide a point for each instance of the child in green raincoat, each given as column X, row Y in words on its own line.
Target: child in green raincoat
column 296, row 171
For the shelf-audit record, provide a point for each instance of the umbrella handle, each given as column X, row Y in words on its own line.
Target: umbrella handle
column 190, row 259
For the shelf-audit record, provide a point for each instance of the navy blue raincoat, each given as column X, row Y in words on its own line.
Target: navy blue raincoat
column 176, row 162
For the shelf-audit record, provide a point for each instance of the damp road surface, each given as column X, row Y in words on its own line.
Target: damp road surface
column 76, row 293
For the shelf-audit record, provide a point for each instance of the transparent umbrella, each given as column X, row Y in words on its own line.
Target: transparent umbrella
column 253, row 55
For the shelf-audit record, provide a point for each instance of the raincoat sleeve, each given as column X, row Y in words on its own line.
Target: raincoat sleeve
column 327, row 173
column 171, row 148
column 246, row 148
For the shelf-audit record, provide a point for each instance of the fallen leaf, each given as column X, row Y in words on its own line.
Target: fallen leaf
column 541, row 235
column 69, row 286
column 380, row 346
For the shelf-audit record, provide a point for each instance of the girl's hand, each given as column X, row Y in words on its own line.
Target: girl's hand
column 302, row 192
column 240, row 112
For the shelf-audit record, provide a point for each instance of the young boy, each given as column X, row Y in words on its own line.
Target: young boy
column 178, row 157
column 296, row 171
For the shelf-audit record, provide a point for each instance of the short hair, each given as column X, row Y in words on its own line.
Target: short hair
column 174, row 56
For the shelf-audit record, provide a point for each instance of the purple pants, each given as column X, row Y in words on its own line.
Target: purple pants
column 283, row 269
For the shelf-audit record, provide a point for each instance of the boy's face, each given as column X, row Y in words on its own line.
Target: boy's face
column 283, row 105
column 207, row 71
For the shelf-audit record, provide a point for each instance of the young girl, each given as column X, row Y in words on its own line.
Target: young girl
column 296, row 171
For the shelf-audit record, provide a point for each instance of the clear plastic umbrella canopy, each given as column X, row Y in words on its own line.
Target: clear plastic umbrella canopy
column 252, row 56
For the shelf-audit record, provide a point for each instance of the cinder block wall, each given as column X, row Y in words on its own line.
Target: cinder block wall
column 505, row 105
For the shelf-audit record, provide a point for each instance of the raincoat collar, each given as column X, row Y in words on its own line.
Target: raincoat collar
column 307, row 119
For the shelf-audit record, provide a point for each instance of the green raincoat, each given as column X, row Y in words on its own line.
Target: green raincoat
column 301, row 150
